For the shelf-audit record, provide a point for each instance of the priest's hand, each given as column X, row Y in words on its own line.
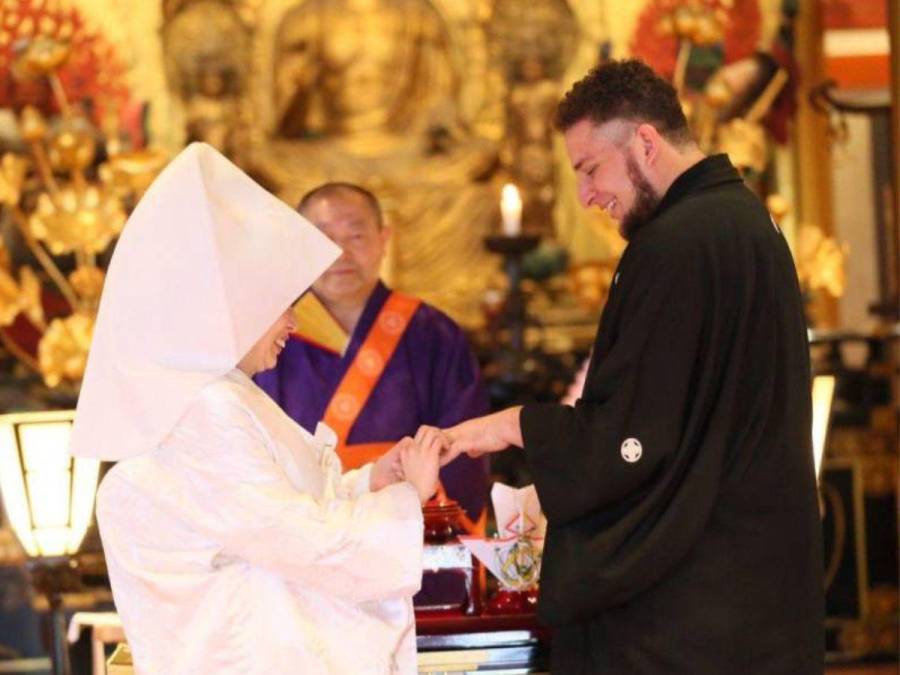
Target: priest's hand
column 388, row 468
column 420, row 460
column 491, row 433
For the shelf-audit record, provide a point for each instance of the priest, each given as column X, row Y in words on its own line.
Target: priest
column 683, row 529
column 391, row 364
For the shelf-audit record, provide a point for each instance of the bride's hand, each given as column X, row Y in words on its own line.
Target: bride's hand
column 421, row 462
column 388, row 468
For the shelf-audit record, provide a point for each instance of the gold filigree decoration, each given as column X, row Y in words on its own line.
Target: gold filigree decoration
column 32, row 125
column 745, row 143
column 73, row 147
column 63, row 349
column 590, row 283
column 12, row 175
column 130, row 173
column 88, row 281
column 20, row 297
column 694, row 23
column 821, row 261
column 30, row 296
column 9, row 298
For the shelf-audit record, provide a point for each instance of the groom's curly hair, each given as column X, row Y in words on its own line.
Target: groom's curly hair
column 625, row 90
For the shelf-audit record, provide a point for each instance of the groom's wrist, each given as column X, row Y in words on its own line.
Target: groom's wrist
column 512, row 431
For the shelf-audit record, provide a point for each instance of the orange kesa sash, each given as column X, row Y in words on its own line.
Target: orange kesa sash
column 359, row 381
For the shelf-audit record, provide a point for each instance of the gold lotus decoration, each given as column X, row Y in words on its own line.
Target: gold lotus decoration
column 72, row 148
column 85, row 219
column 61, row 203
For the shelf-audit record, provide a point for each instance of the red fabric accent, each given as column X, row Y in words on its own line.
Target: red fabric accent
column 855, row 13
column 859, row 72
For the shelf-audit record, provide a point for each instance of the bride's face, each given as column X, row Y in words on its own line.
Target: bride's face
column 264, row 354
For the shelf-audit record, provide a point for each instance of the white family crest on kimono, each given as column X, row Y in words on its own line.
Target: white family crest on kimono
column 233, row 542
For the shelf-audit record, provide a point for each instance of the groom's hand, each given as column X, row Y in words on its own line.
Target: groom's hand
column 491, row 433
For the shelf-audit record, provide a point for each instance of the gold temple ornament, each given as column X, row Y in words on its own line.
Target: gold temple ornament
column 63, row 349
column 12, row 174
column 821, row 262
column 62, row 204
column 40, row 57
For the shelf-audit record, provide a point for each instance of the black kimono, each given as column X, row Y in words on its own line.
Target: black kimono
column 684, row 533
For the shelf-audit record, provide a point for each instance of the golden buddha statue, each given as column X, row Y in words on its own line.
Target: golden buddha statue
column 368, row 91
column 361, row 67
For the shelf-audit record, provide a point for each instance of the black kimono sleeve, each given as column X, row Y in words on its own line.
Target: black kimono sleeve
column 627, row 477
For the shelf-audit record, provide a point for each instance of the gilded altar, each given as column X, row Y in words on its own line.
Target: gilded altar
column 432, row 104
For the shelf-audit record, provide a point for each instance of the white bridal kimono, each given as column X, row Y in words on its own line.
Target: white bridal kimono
column 275, row 562
column 233, row 543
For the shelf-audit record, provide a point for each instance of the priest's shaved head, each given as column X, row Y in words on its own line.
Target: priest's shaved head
column 351, row 217
column 338, row 190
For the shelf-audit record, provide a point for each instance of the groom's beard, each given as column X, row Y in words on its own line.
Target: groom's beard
column 645, row 201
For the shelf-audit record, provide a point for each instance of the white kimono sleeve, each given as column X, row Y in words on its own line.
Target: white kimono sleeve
column 352, row 483
column 355, row 483
column 361, row 548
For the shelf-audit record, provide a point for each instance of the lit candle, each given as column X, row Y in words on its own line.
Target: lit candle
column 511, row 209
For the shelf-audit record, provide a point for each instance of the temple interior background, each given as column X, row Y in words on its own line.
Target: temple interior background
column 435, row 105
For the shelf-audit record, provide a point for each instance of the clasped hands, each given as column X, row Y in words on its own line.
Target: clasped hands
column 418, row 459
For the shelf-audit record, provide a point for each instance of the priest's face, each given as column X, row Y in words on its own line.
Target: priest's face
column 348, row 220
column 609, row 174
column 264, row 354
